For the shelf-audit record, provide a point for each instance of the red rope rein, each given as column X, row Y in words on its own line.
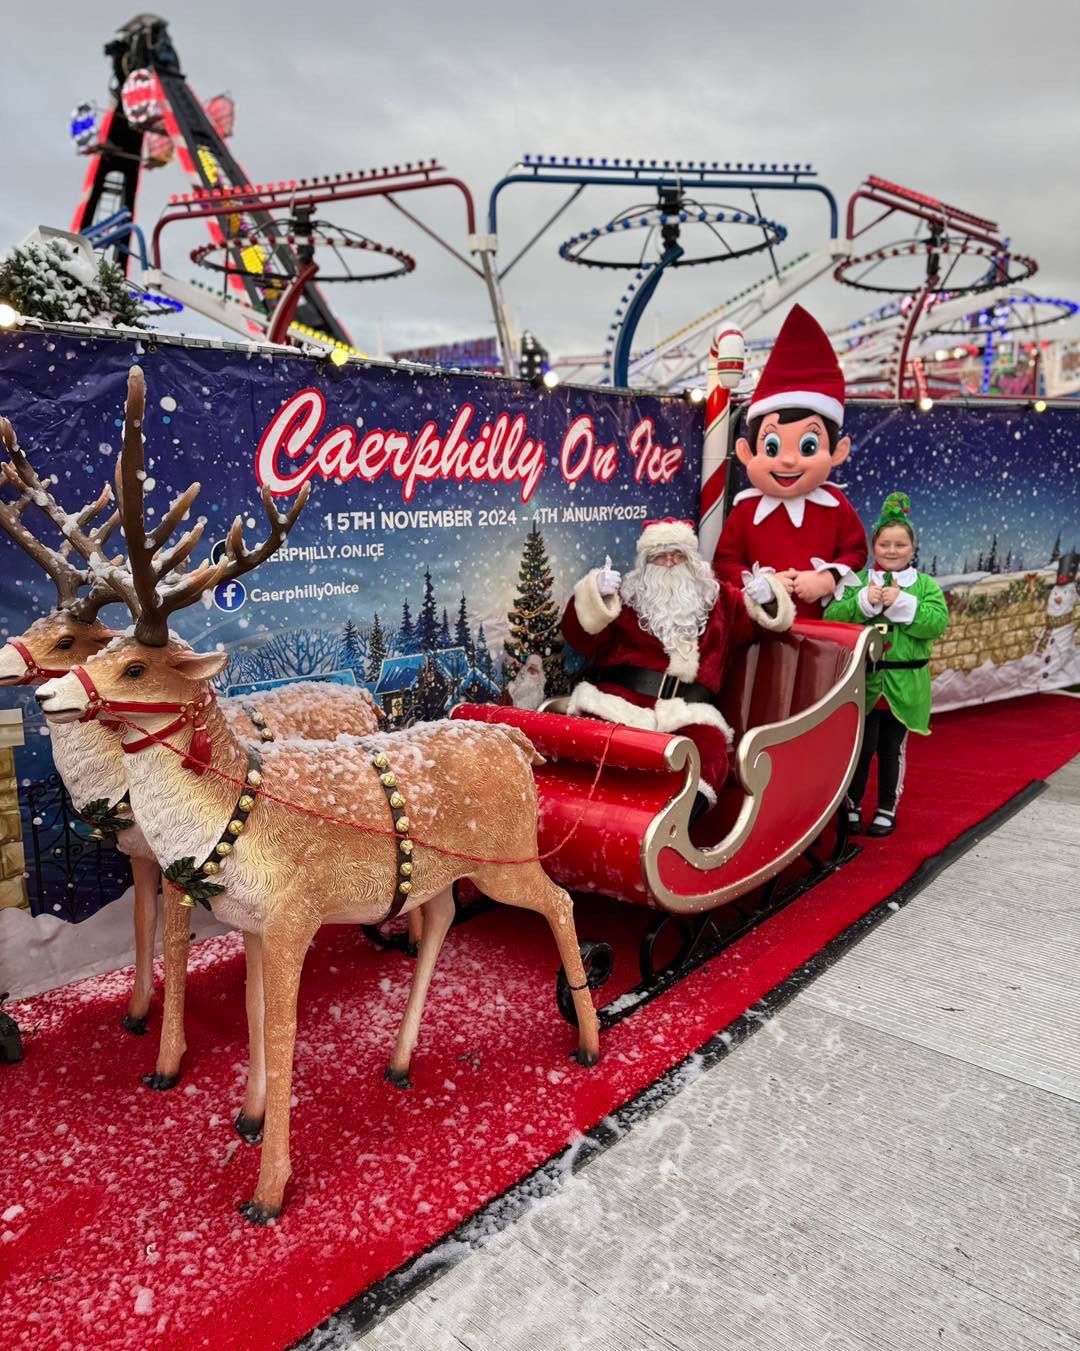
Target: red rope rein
column 390, row 833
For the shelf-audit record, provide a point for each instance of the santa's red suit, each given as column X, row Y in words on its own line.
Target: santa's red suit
column 817, row 531
column 608, row 632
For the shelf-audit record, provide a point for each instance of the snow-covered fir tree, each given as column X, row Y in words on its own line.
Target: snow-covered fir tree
column 352, row 647
column 427, row 623
column 377, row 650
column 482, row 654
column 462, row 633
column 52, row 280
column 431, row 692
column 406, row 634
column 445, row 640
column 534, row 620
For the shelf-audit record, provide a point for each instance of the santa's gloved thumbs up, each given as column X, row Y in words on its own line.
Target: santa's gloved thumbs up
column 756, row 584
column 608, row 580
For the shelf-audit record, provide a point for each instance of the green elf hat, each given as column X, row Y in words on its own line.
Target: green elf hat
column 895, row 510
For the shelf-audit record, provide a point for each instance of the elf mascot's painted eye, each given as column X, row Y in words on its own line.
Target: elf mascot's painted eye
column 808, row 444
column 771, row 445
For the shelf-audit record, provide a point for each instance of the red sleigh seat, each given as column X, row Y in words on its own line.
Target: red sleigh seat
column 795, row 703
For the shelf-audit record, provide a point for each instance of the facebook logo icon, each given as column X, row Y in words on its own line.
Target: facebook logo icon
column 230, row 595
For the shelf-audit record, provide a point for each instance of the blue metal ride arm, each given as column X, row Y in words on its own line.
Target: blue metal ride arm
column 620, row 361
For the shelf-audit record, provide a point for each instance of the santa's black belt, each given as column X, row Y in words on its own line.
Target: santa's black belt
column 653, row 684
column 900, row 665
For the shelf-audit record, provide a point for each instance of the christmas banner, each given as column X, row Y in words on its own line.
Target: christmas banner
column 450, row 517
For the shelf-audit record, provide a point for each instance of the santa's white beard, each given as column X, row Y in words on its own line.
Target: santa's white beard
column 673, row 604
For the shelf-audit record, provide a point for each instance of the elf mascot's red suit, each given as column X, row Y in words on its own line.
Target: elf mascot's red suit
column 790, row 520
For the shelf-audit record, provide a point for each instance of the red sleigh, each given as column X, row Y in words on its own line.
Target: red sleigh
column 795, row 703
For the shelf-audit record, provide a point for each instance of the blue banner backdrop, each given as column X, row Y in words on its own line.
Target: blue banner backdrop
column 995, row 499
column 433, row 495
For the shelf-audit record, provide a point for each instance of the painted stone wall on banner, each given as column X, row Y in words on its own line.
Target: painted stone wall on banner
column 995, row 498
column 450, row 517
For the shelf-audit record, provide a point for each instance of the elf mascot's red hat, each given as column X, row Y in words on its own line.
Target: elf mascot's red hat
column 802, row 372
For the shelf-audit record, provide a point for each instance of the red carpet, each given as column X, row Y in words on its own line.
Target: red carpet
column 118, row 1224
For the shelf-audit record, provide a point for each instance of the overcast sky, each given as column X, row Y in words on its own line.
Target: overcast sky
column 977, row 104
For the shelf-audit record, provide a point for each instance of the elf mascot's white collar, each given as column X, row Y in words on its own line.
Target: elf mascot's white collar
column 795, row 506
column 876, row 577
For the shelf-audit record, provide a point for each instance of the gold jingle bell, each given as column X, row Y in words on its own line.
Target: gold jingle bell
column 254, row 777
column 236, row 827
column 405, row 846
column 187, row 901
column 405, row 869
column 246, row 802
column 258, row 720
column 388, row 780
column 266, row 734
column 396, row 800
column 402, row 824
column 210, row 867
column 97, row 834
column 381, row 762
column 223, row 848
column 405, row 888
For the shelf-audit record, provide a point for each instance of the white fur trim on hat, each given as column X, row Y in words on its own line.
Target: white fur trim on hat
column 594, row 611
column 833, row 409
column 785, row 607
column 668, row 535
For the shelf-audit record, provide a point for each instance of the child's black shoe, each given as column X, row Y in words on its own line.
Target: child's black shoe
column 884, row 823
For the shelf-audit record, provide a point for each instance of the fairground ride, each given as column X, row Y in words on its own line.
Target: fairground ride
column 271, row 244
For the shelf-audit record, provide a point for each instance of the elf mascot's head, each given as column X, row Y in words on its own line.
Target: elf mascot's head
column 793, row 424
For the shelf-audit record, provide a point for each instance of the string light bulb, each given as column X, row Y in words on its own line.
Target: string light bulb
column 339, row 356
column 925, row 404
column 550, row 379
column 8, row 316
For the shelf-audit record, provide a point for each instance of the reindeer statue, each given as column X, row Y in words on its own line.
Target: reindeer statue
column 307, row 834
column 87, row 757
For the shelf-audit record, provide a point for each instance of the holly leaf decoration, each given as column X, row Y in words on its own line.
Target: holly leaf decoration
column 185, row 876
column 102, row 816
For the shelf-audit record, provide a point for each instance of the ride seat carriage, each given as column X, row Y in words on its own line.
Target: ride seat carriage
column 795, row 701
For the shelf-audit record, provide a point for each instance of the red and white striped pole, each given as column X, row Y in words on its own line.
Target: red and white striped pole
column 727, row 360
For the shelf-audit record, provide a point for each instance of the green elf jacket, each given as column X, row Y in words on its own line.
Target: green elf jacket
column 917, row 616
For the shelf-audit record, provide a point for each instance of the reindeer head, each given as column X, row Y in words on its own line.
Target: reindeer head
column 148, row 684
column 73, row 632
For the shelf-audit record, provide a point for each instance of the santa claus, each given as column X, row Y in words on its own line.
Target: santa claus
column 527, row 690
column 661, row 640
column 789, row 519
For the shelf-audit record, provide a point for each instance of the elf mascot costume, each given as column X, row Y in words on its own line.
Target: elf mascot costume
column 790, row 521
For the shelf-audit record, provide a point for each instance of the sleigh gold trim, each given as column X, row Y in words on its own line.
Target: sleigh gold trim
column 796, row 701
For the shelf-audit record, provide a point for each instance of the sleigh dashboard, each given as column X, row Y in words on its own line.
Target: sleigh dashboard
column 615, row 801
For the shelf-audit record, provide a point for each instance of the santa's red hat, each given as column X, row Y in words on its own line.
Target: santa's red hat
column 802, row 372
column 668, row 533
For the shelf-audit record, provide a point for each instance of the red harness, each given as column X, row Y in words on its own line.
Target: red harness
column 33, row 670
column 200, row 750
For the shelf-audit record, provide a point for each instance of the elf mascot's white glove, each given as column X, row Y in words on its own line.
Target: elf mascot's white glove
column 756, row 584
column 608, row 580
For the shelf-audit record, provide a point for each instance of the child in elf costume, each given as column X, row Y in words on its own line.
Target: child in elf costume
column 790, row 521
column 911, row 608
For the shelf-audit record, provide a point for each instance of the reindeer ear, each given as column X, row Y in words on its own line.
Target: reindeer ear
column 199, row 665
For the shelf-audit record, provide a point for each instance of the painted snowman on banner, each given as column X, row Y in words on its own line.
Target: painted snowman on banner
column 1058, row 649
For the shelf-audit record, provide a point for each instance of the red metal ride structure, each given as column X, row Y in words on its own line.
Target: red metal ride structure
column 963, row 254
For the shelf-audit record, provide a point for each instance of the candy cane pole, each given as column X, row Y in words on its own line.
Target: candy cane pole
column 726, row 362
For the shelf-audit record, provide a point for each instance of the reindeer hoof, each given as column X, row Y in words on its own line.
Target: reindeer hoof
column 399, row 1078
column 256, row 1213
column 136, row 1026
column 250, row 1129
column 586, row 1058
column 161, row 1082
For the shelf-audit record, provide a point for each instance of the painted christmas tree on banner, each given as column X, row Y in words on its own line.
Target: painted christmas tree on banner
column 534, row 619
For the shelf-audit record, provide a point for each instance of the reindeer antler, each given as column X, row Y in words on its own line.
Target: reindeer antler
column 149, row 562
column 68, row 579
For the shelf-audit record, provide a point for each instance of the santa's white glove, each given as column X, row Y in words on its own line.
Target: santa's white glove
column 608, row 580
column 756, row 584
